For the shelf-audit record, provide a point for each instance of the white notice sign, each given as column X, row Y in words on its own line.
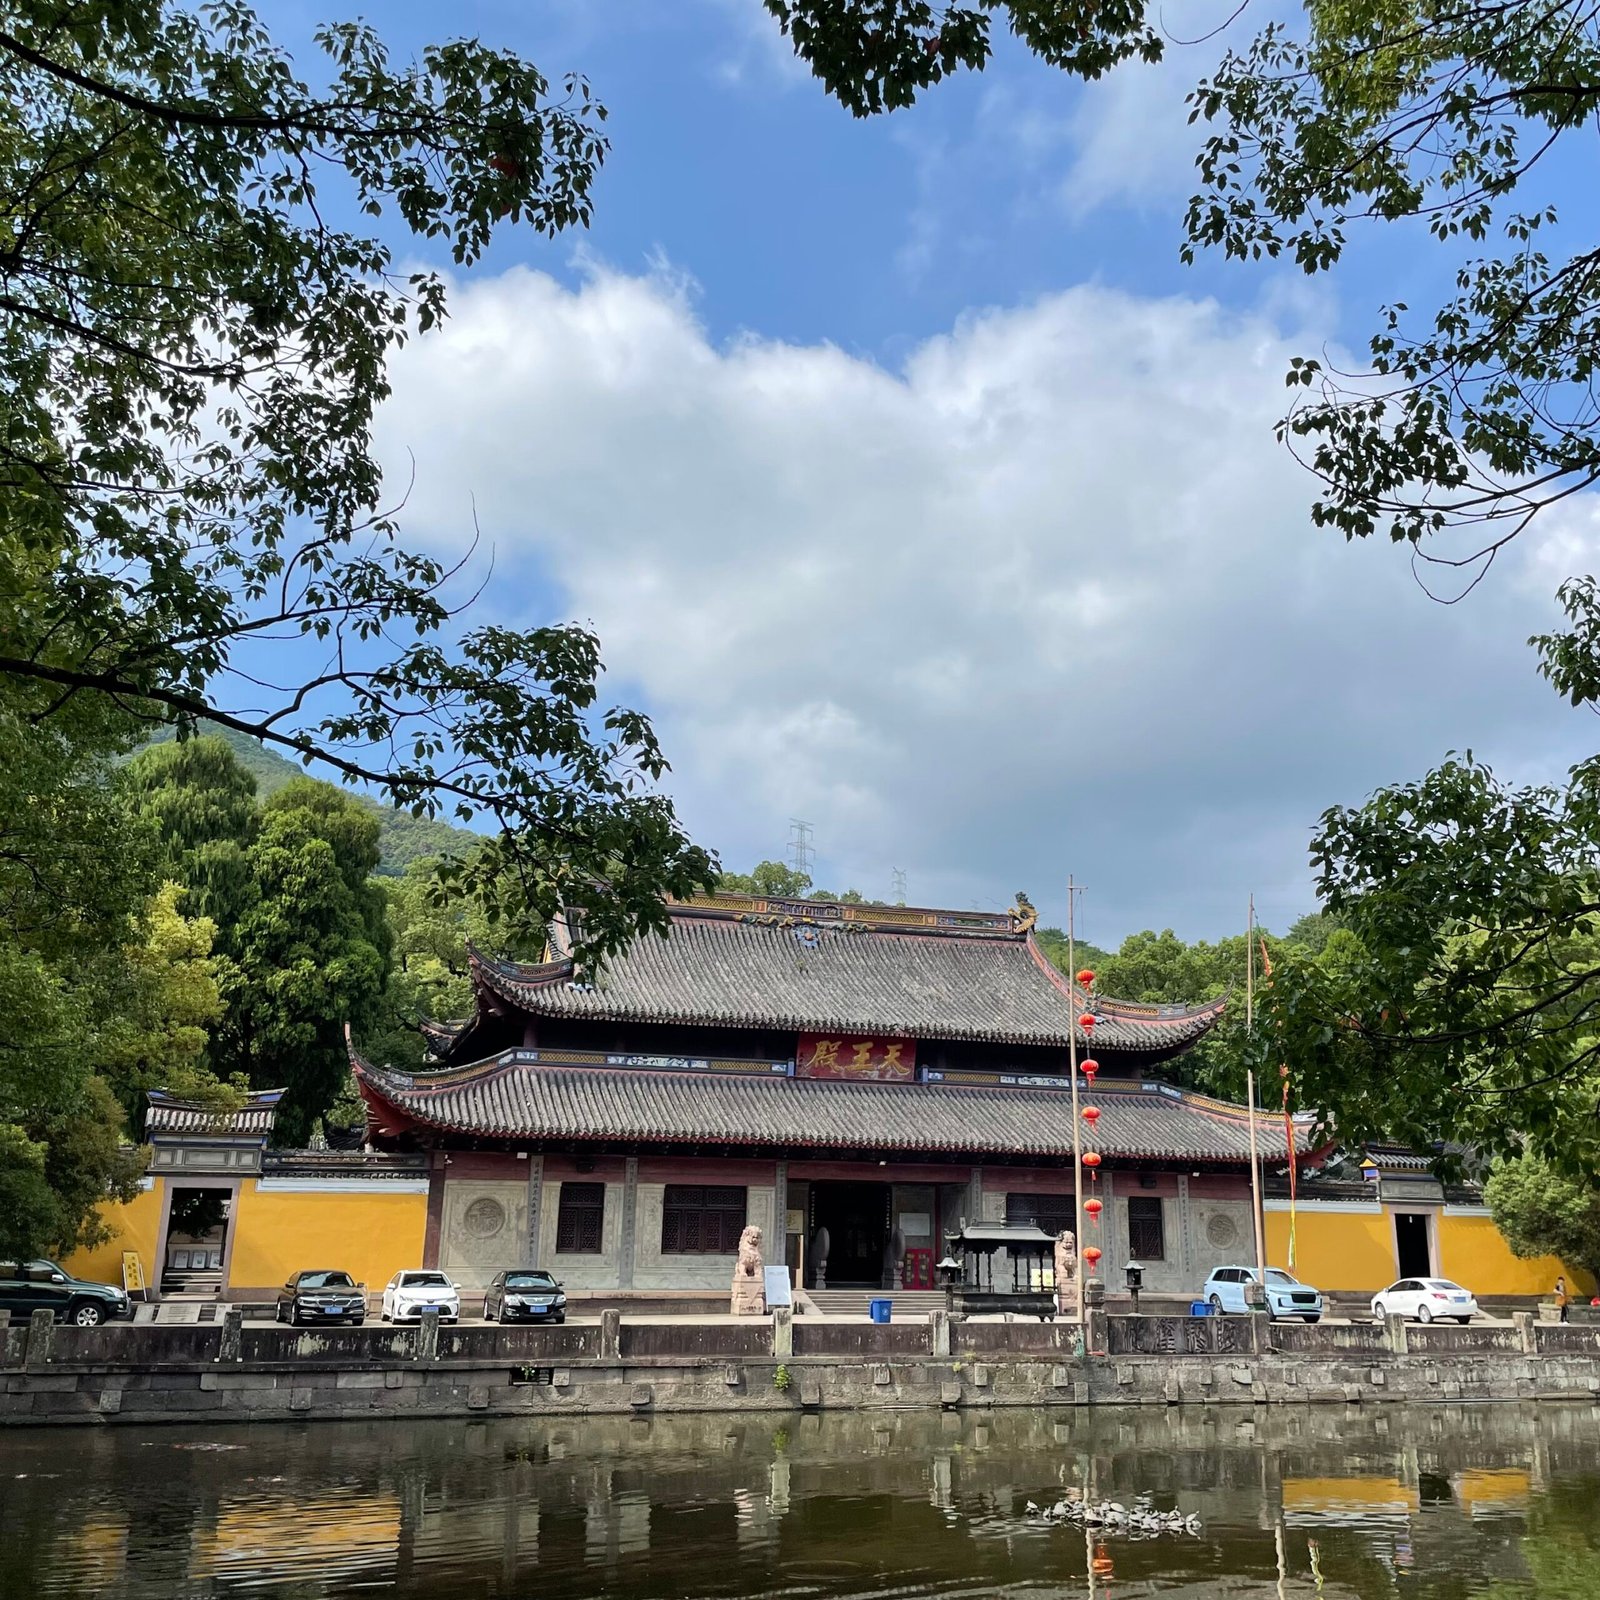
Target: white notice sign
column 777, row 1281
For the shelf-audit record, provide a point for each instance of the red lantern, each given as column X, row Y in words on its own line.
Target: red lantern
column 1092, row 1254
column 1091, row 1158
column 1091, row 1115
column 1086, row 977
column 1094, row 1208
column 1090, row 1065
column 1087, row 1021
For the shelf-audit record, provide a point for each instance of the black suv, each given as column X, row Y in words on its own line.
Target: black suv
column 32, row 1286
column 322, row 1297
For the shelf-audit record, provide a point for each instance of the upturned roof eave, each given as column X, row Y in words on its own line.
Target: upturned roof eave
column 1165, row 1034
column 393, row 1108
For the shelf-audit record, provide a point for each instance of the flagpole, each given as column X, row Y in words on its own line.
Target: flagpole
column 1077, row 1121
column 1256, row 1217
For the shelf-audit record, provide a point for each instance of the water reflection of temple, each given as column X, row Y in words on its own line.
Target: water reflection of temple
column 651, row 1506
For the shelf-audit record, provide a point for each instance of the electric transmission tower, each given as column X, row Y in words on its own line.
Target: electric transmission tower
column 801, row 850
column 899, row 891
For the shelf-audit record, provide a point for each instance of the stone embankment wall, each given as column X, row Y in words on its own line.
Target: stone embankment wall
column 229, row 1372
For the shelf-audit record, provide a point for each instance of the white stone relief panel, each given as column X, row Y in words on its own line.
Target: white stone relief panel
column 481, row 1229
column 1220, row 1235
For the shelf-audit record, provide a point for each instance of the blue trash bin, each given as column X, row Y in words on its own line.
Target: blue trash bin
column 1199, row 1308
column 879, row 1310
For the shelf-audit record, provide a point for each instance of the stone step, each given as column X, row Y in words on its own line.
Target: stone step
column 855, row 1302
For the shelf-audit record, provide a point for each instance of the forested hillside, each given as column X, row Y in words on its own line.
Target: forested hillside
column 402, row 838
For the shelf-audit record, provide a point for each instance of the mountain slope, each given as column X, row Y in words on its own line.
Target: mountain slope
column 402, row 838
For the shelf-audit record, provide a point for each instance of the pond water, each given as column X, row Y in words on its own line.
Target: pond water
column 1427, row 1503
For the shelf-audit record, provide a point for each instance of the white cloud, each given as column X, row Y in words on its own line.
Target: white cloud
column 1131, row 138
column 1132, row 142
column 757, row 51
column 1043, row 599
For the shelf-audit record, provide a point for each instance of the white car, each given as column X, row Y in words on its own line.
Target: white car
column 1425, row 1299
column 1228, row 1290
column 408, row 1294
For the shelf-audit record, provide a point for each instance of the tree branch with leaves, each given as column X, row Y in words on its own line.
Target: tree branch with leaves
column 191, row 358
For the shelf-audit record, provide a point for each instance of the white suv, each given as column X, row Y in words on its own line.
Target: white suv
column 1228, row 1289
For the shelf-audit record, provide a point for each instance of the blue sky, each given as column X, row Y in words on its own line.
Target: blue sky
column 919, row 490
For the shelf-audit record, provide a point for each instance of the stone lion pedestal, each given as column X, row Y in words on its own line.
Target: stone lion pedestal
column 749, row 1286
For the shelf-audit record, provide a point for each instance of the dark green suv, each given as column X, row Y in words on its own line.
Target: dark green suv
column 42, row 1286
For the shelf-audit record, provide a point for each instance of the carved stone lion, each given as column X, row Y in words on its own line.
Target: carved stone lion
column 1067, row 1274
column 749, row 1286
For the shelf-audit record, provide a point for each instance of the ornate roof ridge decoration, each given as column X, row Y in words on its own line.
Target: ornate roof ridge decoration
column 785, row 911
column 517, row 1096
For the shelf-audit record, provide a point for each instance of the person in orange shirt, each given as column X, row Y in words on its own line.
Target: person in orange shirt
column 1561, row 1298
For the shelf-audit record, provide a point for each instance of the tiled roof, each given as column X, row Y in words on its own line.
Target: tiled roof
column 168, row 1115
column 753, row 970
column 517, row 1099
column 342, row 1164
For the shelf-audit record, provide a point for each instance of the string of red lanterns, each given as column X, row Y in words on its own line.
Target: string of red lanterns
column 1093, row 1206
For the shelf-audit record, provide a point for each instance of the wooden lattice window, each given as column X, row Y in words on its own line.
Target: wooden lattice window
column 581, row 1219
column 1147, row 1233
column 702, row 1220
column 1051, row 1212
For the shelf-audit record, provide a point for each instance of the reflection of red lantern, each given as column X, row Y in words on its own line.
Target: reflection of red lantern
column 1091, row 1158
column 1094, row 1208
column 1086, row 977
column 1087, row 1021
column 1103, row 1565
column 1092, row 1254
column 1091, row 1115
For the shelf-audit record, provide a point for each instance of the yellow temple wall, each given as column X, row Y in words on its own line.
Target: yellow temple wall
column 135, row 1225
column 1473, row 1252
column 1346, row 1250
column 1350, row 1249
column 366, row 1229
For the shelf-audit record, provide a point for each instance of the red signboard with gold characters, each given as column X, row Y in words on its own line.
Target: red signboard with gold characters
column 867, row 1060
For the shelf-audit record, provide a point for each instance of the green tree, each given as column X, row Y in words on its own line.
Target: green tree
column 158, row 1007
column 428, row 976
column 1459, row 999
column 311, row 954
column 104, row 988
column 1313, row 931
column 1543, row 1211
column 768, row 878
column 1053, row 941
column 202, row 801
column 191, row 354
